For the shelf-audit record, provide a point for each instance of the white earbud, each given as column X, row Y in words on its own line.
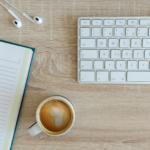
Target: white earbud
column 36, row 20
column 16, row 22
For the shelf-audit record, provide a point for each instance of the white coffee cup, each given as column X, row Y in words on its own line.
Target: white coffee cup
column 37, row 127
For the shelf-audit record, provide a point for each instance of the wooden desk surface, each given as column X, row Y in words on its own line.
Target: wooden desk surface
column 108, row 117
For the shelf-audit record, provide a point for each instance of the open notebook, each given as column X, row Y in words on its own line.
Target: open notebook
column 15, row 63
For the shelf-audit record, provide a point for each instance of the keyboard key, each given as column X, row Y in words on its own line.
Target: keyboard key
column 102, row 76
column 138, row 76
column 133, row 22
column 149, row 32
column 117, row 76
column 147, row 54
column 109, row 22
column 84, row 32
column 121, row 22
column 120, row 65
column 109, row 65
column 145, row 22
column 124, row 43
column 87, row 76
column 85, row 22
column 96, row 31
column 113, row 43
column 101, row 43
column 132, row 65
column 96, row 22
column 87, row 42
column 86, row 65
column 119, row 32
column 115, row 54
column 136, row 43
column 138, row 54
column 146, row 43
column 143, row 65
column 142, row 32
column 130, row 31
column 88, row 54
column 98, row 65
column 107, row 32
column 127, row 54
column 104, row 53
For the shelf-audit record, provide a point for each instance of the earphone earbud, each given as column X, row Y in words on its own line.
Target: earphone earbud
column 36, row 20
column 16, row 22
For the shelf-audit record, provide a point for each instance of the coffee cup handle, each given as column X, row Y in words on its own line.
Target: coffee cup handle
column 34, row 129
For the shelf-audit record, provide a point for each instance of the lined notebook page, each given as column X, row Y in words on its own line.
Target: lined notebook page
column 11, row 58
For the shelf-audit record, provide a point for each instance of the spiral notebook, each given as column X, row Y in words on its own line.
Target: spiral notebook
column 15, row 64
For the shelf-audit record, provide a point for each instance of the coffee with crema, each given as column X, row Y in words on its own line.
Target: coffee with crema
column 55, row 115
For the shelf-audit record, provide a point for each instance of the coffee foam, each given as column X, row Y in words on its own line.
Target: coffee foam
column 55, row 115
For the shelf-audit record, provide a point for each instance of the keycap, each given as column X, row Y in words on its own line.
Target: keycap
column 147, row 54
column 133, row 22
column 85, row 22
column 119, row 32
column 96, row 31
column 109, row 64
column 138, row 76
column 124, row 43
column 115, row 54
column 138, row 54
column 102, row 76
column 101, row 43
column 130, row 31
column 117, row 76
column 146, row 43
column 104, row 53
column 142, row 32
column 84, row 32
column 136, row 43
column 107, row 32
column 87, row 42
column 96, row 22
column 108, row 22
column 132, row 65
column 85, row 64
column 87, row 76
column 143, row 65
column 121, row 22
column 88, row 54
column 98, row 64
column 113, row 43
column 145, row 22
column 120, row 65
column 127, row 54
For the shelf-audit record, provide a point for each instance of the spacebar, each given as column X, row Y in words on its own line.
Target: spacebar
column 138, row 76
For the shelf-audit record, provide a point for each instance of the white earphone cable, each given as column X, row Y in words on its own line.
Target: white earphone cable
column 13, row 6
column 3, row 5
column 36, row 20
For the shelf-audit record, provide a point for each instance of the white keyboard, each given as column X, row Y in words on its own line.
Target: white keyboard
column 114, row 50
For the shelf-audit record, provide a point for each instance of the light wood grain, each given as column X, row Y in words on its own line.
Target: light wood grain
column 108, row 117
